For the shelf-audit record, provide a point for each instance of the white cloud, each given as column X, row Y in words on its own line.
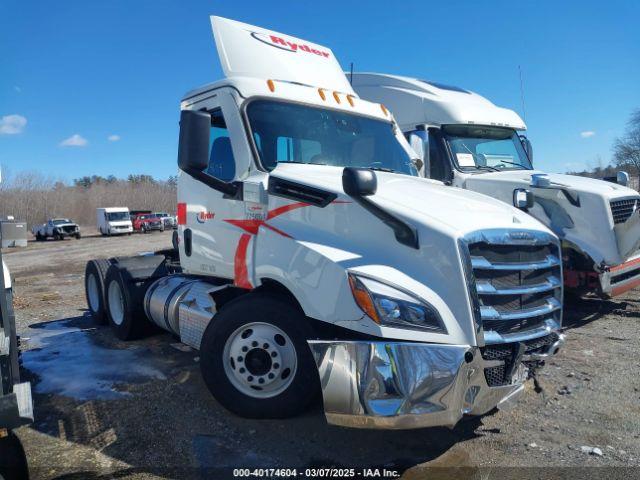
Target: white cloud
column 12, row 124
column 113, row 138
column 17, row 89
column 587, row 134
column 74, row 140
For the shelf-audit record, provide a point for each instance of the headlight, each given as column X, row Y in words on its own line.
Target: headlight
column 392, row 307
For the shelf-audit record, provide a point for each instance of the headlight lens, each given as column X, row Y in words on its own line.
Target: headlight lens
column 392, row 307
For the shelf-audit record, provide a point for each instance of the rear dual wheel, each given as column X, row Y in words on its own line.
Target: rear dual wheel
column 124, row 305
column 255, row 359
column 94, row 286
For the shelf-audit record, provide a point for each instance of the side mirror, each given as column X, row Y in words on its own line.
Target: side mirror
column 193, row 150
column 522, row 199
column 526, row 144
column 359, row 182
column 622, row 178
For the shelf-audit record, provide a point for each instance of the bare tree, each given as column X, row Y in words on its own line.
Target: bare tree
column 33, row 197
column 626, row 149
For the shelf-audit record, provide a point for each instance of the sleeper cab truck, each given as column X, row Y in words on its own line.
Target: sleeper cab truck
column 466, row 141
column 313, row 259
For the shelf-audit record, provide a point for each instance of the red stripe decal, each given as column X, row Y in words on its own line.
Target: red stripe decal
column 182, row 214
column 241, row 273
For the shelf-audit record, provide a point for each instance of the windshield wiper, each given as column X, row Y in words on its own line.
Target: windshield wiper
column 382, row 169
column 487, row 167
column 522, row 167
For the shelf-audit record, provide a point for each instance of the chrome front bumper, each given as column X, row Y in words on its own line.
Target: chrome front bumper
column 407, row 385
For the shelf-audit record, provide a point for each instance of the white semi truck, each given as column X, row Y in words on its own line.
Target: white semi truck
column 466, row 141
column 304, row 265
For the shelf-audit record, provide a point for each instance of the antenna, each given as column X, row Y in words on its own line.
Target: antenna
column 351, row 74
column 524, row 111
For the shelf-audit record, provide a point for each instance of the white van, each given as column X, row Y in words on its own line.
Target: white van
column 114, row 221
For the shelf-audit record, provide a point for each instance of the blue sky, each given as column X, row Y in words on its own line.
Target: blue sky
column 107, row 77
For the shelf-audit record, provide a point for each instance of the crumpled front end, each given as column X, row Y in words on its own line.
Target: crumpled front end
column 403, row 385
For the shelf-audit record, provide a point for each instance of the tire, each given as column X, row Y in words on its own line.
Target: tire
column 222, row 370
column 94, row 287
column 78, row 236
column 124, row 302
column 13, row 462
column 57, row 236
column 102, row 232
column 38, row 237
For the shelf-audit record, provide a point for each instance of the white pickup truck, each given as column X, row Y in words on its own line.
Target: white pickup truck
column 305, row 266
column 56, row 228
column 466, row 141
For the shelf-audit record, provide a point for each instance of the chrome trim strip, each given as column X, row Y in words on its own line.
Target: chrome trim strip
column 550, row 325
column 485, row 288
column 484, row 264
column 490, row 313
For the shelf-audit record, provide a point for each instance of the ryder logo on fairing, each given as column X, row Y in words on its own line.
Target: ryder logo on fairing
column 281, row 43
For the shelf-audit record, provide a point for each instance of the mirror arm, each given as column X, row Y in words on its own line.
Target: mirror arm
column 230, row 189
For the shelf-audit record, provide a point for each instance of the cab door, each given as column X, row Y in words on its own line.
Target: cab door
column 215, row 236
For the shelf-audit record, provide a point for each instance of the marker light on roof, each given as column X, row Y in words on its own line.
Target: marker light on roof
column 271, row 85
column 384, row 109
column 350, row 100
column 335, row 95
column 321, row 93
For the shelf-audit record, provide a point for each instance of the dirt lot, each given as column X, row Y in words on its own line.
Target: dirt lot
column 109, row 409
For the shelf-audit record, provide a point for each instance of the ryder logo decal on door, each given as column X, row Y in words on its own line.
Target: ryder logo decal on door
column 202, row 217
column 283, row 44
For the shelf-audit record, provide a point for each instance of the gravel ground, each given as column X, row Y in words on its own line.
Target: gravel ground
column 110, row 409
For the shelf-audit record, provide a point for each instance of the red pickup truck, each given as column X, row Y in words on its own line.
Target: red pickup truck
column 147, row 222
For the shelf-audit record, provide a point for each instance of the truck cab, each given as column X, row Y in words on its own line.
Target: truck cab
column 312, row 257
column 466, row 141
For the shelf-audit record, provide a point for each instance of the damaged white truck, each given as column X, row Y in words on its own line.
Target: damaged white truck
column 466, row 141
column 312, row 257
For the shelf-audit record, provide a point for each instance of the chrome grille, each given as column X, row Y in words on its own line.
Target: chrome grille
column 519, row 285
column 623, row 209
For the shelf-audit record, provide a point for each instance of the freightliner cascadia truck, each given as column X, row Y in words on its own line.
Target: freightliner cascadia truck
column 466, row 141
column 312, row 259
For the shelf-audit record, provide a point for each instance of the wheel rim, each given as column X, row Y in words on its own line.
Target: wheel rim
column 260, row 360
column 94, row 292
column 116, row 303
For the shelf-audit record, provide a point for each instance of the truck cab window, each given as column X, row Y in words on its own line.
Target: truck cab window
column 293, row 133
column 222, row 165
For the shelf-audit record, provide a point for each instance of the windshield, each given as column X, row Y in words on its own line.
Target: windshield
column 59, row 221
column 118, row 216
column 486, row 148
column 292, row 133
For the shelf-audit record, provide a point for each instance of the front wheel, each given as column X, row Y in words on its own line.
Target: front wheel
column 255, row 359
column 78, row 236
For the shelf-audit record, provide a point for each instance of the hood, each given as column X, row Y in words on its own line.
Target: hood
column 579, row 210
column 574, row 183
column 70, row 224
column 422, row 201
